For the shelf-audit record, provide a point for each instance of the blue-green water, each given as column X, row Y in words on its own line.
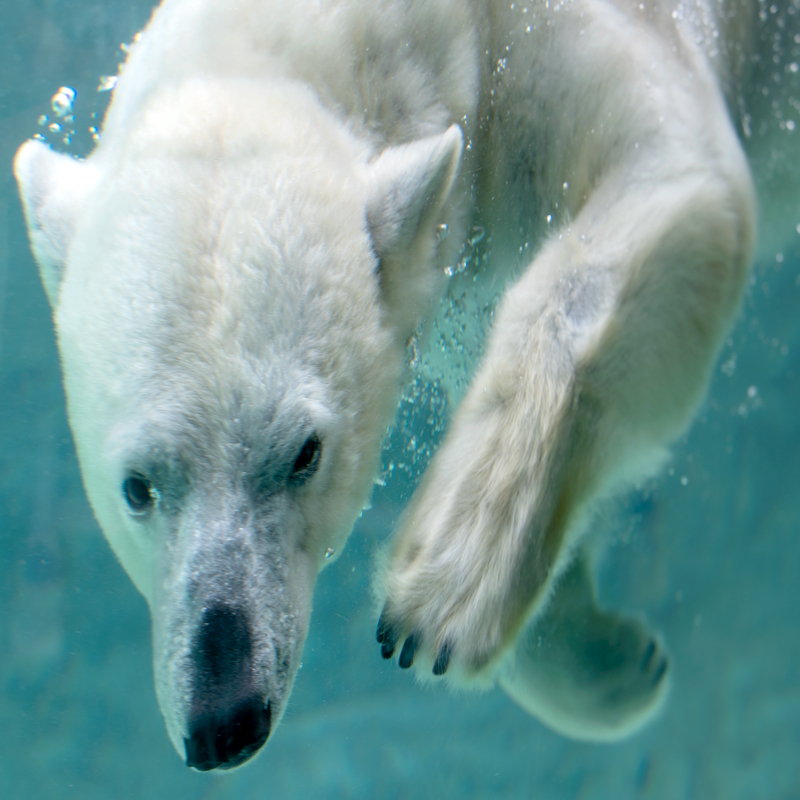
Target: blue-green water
column 709, row 552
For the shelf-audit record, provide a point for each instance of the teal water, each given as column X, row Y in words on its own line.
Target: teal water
column 709, row 552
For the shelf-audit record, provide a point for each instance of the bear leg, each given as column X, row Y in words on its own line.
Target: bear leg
column 584, row 672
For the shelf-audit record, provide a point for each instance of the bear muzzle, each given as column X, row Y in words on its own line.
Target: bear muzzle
column 229, row 718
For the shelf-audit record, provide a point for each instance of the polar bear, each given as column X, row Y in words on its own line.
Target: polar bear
column 237, row 269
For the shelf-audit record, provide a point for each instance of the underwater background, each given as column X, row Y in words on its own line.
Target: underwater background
column 708, row 551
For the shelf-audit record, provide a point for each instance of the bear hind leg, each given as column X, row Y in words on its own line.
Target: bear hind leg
column 584, row 672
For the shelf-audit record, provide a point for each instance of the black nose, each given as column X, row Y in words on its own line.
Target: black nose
column 229, row 718
column 227, row 741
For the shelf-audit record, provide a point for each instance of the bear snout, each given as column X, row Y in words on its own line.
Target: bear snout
column 229, row 718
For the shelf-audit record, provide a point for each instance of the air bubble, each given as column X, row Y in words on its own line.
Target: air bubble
column 729, row 366
column 62, row 101
column 476, row 235
column 107, row 83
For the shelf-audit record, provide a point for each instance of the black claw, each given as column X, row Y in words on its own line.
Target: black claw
column 409, row 649
column 648, row 655
column 387, row 649
column 659, row 673
column 384, row 629
column 443, row 659
column 386, row 636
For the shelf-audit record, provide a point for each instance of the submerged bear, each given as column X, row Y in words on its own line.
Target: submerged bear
column 235, row 273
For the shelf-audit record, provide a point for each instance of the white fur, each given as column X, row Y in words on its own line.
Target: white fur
column 244, row 257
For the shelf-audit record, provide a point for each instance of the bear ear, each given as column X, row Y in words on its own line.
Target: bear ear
column 407, row 186
column 52, row 186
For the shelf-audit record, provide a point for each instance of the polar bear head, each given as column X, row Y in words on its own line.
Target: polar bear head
column 231, row 311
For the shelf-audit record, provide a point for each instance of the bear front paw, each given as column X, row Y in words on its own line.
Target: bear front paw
column 443, row 597
column 478, row 545
column 459, row 581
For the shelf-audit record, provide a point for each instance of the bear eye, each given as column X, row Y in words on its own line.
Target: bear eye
column 307, row 461
column 139, row 494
